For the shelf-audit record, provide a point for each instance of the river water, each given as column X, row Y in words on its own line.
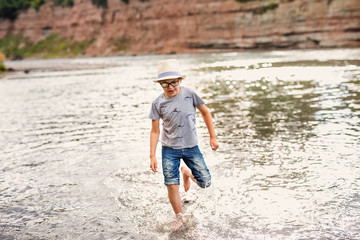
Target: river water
column 74, row 148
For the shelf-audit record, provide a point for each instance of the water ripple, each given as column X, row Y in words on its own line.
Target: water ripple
column 74, row 138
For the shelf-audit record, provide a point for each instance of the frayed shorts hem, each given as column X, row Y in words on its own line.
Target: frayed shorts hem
column 204, row 184
column 169, row 182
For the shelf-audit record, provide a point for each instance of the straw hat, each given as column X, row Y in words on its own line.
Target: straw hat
column 168, row 69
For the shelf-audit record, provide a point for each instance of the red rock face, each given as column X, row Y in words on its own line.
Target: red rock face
column 164, row 26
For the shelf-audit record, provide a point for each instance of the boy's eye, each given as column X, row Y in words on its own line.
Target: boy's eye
column 174, row 84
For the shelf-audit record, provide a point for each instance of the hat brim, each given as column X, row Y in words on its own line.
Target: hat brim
column 169, row 77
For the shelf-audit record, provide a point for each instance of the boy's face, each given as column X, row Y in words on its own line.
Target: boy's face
column 171, row 87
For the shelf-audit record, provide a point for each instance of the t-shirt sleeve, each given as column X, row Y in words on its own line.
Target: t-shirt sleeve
column 198, row 102
column 154, row 112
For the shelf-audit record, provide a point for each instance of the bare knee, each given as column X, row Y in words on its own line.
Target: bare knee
column 173, row 188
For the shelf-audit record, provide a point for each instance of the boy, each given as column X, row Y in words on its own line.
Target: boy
column 176, row 107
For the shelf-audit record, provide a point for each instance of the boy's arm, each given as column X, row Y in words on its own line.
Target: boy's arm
column 154, row 138
column 205, row 113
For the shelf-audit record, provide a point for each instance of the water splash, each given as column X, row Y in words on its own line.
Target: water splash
column 74, row 148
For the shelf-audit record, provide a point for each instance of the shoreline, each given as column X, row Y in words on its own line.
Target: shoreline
column 11, row 64
column 197, row 51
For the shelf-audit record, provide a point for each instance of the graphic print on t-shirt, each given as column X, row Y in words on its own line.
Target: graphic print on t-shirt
column 192, row 117
column 188, row 98
column 176, row 111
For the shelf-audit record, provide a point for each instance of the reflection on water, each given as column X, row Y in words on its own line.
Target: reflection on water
column 74, row 148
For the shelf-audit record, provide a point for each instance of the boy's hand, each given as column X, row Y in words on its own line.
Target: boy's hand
column 214, row 144
column 153, row 164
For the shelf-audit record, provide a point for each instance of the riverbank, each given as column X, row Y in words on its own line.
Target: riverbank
column 163, row 26
column 17, row 47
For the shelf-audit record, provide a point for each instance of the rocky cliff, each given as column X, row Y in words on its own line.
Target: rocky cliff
column 165, row 26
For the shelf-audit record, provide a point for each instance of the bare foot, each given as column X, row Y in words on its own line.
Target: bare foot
column 179, row 223
column 186, row 176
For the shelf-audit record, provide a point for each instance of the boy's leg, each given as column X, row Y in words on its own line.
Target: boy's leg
column 170, row 163
column 174, row 198
column 187, row 175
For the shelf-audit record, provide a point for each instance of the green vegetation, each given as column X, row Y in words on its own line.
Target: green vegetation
column 68, row 3
column 10, row 46
column 18, row 47
column 11, row 8
column 36, row 3
column 100, row 3
column 270, row 6
column 122, row 43
column 2, row 67
column 261, row 10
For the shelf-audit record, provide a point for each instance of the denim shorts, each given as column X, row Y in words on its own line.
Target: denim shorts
column 192, row 157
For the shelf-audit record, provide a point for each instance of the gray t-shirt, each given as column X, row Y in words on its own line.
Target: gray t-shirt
column 178, row 115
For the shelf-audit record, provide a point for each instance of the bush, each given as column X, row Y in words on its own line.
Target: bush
column 270, row 6
column 36, row 4
column 68, row 3
column 9, row 9
column 52, row 46
column 122, row 44
column 243, row 1
column 9, row 45
column 100, row 3
column 2, row 67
